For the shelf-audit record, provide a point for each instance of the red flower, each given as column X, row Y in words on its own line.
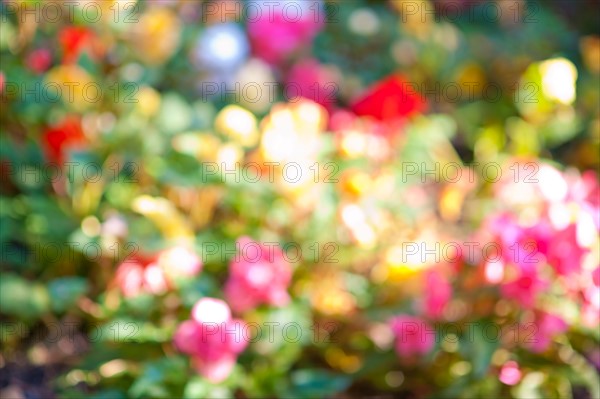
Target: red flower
column 72, row 40
column 390, row 99
column 58, row 139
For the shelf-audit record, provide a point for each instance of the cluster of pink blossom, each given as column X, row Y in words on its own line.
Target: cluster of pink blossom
column 213, row 352
column 548, row 240
column 261, row 277
column 556, row 242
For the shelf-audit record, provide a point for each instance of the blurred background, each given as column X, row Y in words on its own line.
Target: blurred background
column 423, row 176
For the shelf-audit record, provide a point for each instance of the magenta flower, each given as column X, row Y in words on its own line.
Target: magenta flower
column 314, row 81
column 282, row 28
column 414, row 336
column 524, row 289
column 39, row 60
column 259, row 274
column 212, row 339
column 547, row 327
column 564, row 253
column 438, row 293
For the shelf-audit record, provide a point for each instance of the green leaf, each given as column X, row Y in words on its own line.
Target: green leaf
column 65, row 292
column 175, row 114
column 316, row 383
column 19, row 297
column 109, row 394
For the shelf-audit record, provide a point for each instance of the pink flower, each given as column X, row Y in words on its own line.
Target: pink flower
column 258, row 275
column 314, row 81
column 524, row 289
column 155, row 275
column 510, row 373
column 523, row 247
column 39, row 60
column 279, row 30
column 596, row 276
column 547, row 326
column 135, row 276
column 414, row 336
column 564, row 253
column 438, row 293
column 212, row 339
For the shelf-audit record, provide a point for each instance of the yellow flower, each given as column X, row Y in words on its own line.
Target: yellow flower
column 291, row 138
column 356, row 183
column 156, row 36
column 558, row 80
column 148, row 101
column 73, row 85
column 238, row 124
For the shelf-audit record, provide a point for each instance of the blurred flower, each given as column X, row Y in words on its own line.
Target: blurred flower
column 414, row 336
column 63, row 137
column 222, row 47
column 520, row 253
column 291, row 132
column 115, row 226
column 2, row 80
column 155, row 38
column 73, row 40
column 137, row 275
column 360, row 137
column 72, row 83
column 255, row 80
column 275, row 35
column 355, row 183
column 39, row 60
column 148, row 101
column 314, row 81
column 291, row 137
column 212, row 339
column 558, row 80
column 155, row 275
column 259, row 274
column 329, row 294
column 238, row 124
column 564, row 253
column 355, row 219
column 525, row 288
column 510, row 373
column 400, row 264
column 548, row 326
column 364, row 22
column 390, row 99
column 438, row 293
column 179, row 261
